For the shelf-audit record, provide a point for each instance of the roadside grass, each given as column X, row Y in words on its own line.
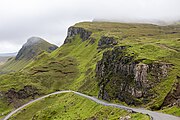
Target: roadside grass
column 174, row 110
column 69, row 106
column 5, row 108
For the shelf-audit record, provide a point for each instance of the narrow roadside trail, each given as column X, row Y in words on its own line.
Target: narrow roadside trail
column 154, row 115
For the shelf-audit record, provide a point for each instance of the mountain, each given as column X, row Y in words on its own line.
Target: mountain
column 33, row 47
column 134, row 64
column 8, row 54
column 29, row 51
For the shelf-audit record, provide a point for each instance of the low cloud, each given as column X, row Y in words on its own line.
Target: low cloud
column 50, row 19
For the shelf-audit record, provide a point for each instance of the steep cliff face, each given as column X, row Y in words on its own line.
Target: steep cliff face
column 173, row 97
column 106, row 42
column 121, row 76
column 73, row 31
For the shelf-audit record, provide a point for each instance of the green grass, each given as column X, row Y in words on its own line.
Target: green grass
column 172, row 110
column 14, row 66
column 71, row 107
column 5, row 108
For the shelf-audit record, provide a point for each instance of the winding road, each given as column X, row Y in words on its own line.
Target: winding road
column 152, row 114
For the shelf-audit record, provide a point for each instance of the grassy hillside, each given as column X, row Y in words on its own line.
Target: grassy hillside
column 72, row 107
column 73, row 65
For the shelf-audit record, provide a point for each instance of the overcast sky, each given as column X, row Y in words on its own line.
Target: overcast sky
column 50, row 19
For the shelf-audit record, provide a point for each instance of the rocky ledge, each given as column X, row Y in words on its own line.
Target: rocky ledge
column 106, row 42
column 16, row 97
column 73, row 31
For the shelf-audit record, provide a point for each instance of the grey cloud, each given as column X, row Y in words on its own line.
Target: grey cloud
column 50, row 19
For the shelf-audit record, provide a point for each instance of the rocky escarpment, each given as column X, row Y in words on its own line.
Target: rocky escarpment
column 122, row 77
column 106, row 42
column 15, row 97
column 173, row 97
column 33, row 47
column 73, row 31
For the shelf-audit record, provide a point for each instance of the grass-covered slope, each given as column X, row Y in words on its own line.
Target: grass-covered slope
column 32, row 48
column 149, row 44
column 72, row 107
column 74, row 64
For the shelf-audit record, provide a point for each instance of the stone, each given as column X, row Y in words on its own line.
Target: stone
column 125, row 118
column 173, row 97
column 106, row 42
column 73, row 31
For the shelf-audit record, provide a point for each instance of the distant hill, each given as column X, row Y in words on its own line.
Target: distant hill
column 3, row 59
column 5, row 56
column 8, row 54
column 32, row 48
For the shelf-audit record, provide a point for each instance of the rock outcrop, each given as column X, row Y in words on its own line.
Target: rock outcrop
column 73, row 31
column 122, row 77
column 106, row 42
column 14, row 97
column 173, row 97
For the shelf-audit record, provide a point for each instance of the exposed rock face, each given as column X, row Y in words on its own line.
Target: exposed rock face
column 73, row 31
column 33, row 47
column 173, row 98
column 125, row 118
column 52, row 48
column 106, row 42
column 14, row 96
column 1, row 95
column 140, row 75
column 122, row 77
